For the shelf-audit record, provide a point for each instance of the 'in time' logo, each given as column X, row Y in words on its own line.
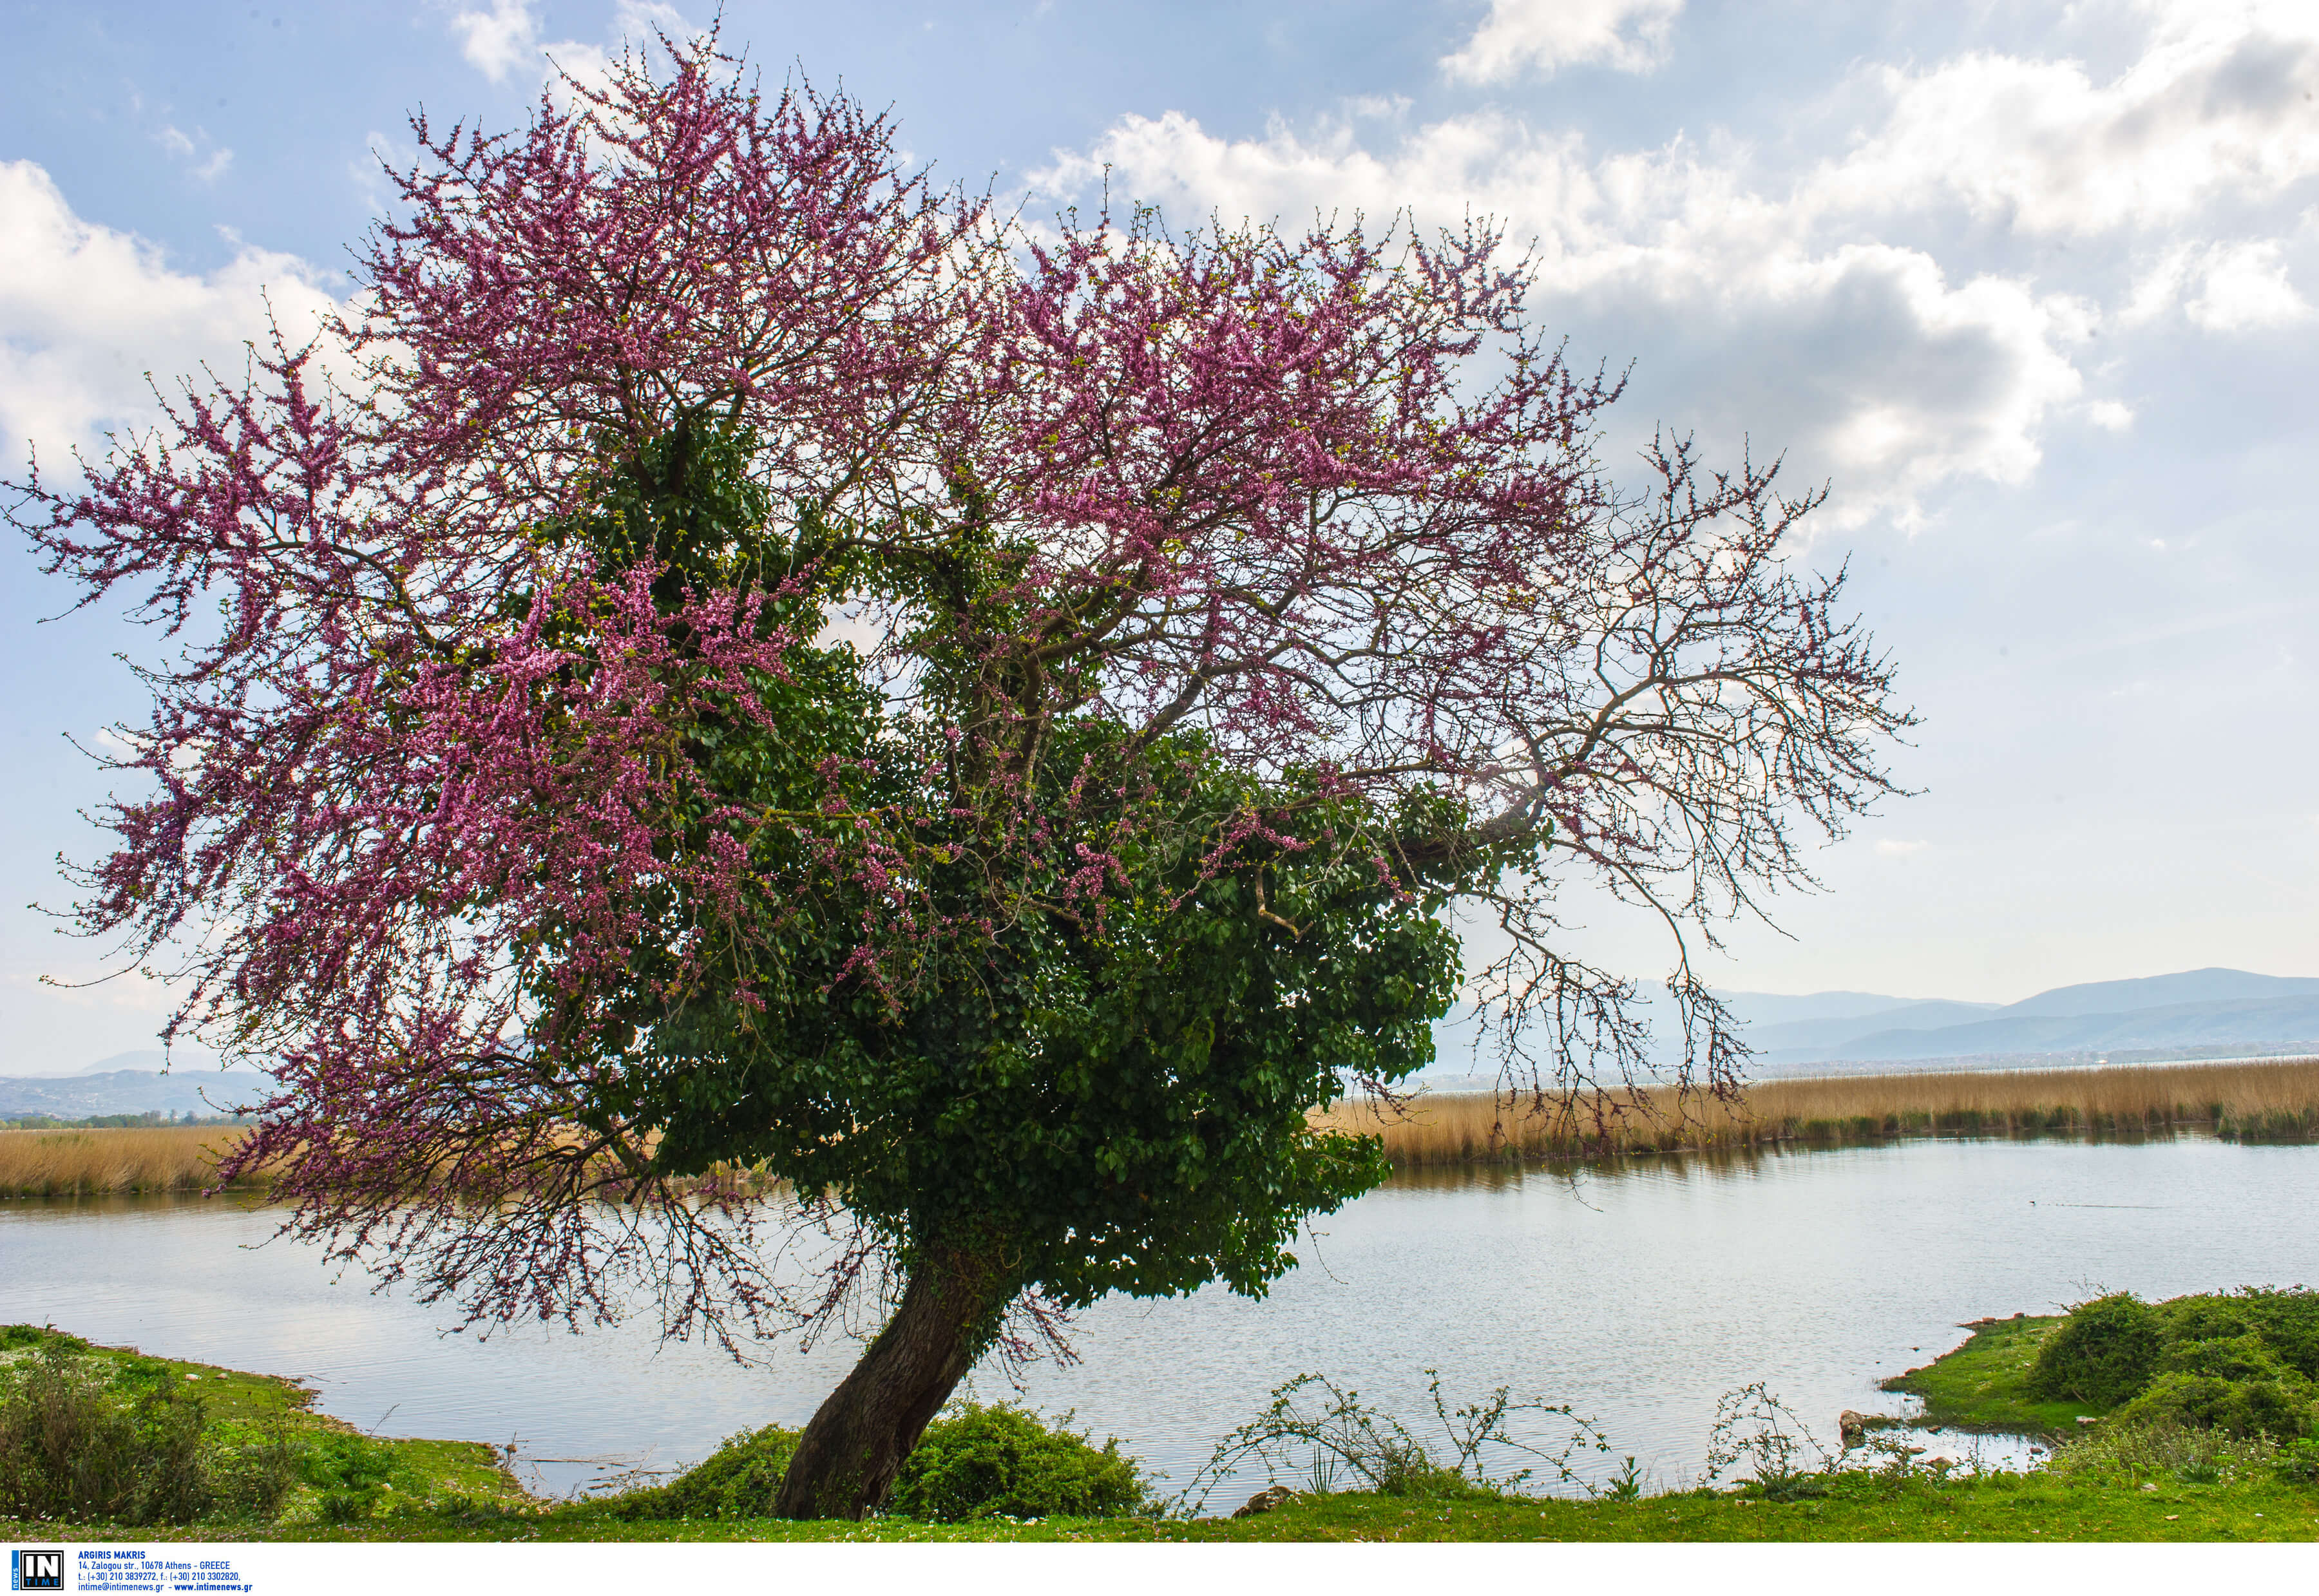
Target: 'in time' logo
column 36, row 1571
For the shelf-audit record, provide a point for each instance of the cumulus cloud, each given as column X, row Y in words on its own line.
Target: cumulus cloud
column 2226, row 287
column 1841, row 310
column 1538, row 36
column 2217, row 101
column 2245, row 287
column 87, row 312
column 1869, row 359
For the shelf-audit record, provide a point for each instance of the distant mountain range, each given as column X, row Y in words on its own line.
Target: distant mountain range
column 152, row 1061
column 2196, row 1013
column 2199, row 1010
column 201, row 1091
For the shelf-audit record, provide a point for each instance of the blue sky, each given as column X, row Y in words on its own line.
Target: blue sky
column 2031, row 287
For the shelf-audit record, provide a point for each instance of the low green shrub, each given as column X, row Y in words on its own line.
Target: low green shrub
column 2103, row 1354
column 2226, row 1357
column 2121, row 1453
column 2297, row 1462
column 351, row 1475
column 2279, row 1408
column 739, row 1480
column 252, row 1469
column 1789, row 1487
column 87, row 1441
column 974, row 1462
column 982, row 1462
column 1441, row 1485
column 77, row 1446
column 1322, row 1435
column 2287, row 1322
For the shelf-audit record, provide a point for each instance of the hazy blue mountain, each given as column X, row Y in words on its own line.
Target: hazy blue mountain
column 2191, row 986
column 2254, row 1023
column 2198, row 1008
column 1773, row 1008
column 1914, row 1016
column 128, row 1091
column 151, row 1059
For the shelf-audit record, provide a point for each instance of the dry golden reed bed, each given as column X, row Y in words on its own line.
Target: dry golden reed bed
column 105, row 1162
column 2276, row 1098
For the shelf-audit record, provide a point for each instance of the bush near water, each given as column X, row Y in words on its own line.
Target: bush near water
column 2245, row 1363
column 77, row 1444
column 975, row 1461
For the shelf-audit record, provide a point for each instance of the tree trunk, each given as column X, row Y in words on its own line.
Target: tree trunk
column 851, row 1449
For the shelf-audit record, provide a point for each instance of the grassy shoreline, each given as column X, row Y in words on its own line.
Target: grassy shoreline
column 1983, row 1384
column 236, row 1410
column 451, row 1491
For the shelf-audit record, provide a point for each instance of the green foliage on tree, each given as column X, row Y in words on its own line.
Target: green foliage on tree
column 1110, row 1096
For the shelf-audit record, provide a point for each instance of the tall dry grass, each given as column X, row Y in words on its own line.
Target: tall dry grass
column 108, row 1162
column 105, row 1161
column 2272, row 1099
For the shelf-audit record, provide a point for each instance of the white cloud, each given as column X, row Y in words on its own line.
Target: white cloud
column 1867, row 357
column 2226, row 287
column 2246, row 287
column 1846, row 312
column 91, row 986
column 499, row 40
column 1892, row 848
column 2218, row 103
column 187, row 147
column 506, row 38
column 86, row 312
column 1538, row 36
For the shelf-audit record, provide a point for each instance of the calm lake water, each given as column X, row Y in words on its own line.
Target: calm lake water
column 1639, row 1295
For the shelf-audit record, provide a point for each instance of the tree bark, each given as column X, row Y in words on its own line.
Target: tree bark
column 852, row 1448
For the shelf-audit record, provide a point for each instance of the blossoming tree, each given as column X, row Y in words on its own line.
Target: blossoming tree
column 774, row 705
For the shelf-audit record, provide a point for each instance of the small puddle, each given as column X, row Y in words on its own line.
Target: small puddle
column 1989, row 1451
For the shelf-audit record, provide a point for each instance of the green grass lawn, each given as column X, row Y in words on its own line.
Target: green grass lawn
column 1857, row 1507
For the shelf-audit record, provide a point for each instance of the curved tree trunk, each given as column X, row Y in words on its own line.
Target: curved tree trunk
column 851, row 1449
